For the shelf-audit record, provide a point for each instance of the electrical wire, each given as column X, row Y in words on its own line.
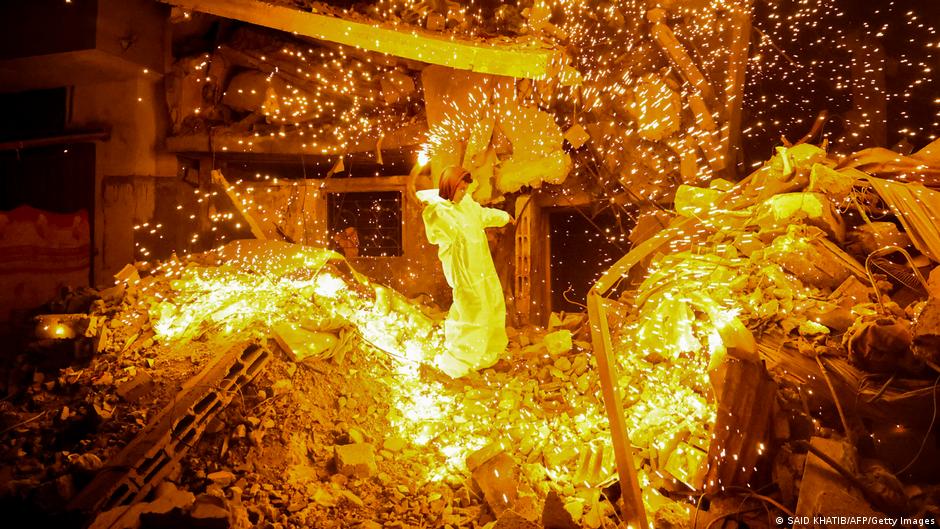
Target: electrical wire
column 933, row 418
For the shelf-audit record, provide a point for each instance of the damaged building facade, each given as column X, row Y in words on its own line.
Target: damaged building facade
column 223, row 308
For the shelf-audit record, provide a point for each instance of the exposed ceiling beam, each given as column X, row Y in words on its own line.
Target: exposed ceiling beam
column 510, row 59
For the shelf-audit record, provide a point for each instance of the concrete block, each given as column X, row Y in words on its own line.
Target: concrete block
column 136, row 387
column 222, row 478
column 355, row 460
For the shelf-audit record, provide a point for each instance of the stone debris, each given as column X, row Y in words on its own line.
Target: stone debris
column 209, row 512
column 554, row 514
column 136, row 388
column 222, row 478
column 513, row 520
column 355, row 460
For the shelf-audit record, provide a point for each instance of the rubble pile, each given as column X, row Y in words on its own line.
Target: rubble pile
column 343, row 425
column 819, row 271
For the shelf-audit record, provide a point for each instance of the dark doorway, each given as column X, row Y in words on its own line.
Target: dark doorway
column 583, row 246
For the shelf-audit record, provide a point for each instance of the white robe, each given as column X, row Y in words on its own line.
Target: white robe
column 475, row 328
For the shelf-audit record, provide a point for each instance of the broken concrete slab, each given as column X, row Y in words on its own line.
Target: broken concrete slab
column 815, row 209
column 835, row 184
column 210, row 512
column 694, row 201
column 247, row 91
column 484, row 454
column 852, row 292
column 300, row 343
column 842, row 509
column 355, row 460
column 222, row 478
column 873, row 236
column 804, row 253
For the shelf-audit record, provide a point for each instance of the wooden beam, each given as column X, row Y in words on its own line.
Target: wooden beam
column 738, row 50
column 363, row 184
column 668, row 42
column 513, row 60
column 232, row 194
column 234, row 141
column 78, row 137
column 634, row 512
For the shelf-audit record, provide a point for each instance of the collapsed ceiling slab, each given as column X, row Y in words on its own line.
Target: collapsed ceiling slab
column 509, row 59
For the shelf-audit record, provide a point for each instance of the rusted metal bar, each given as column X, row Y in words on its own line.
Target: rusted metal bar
column 102, row 135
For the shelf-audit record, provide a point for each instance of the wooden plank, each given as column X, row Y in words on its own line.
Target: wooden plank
column 634, row 513
column 673, row 49
column 513, row 60
column 522, row 280
column 230, row 191
column 633, row 509
column 540, row 261
column 364, row 184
